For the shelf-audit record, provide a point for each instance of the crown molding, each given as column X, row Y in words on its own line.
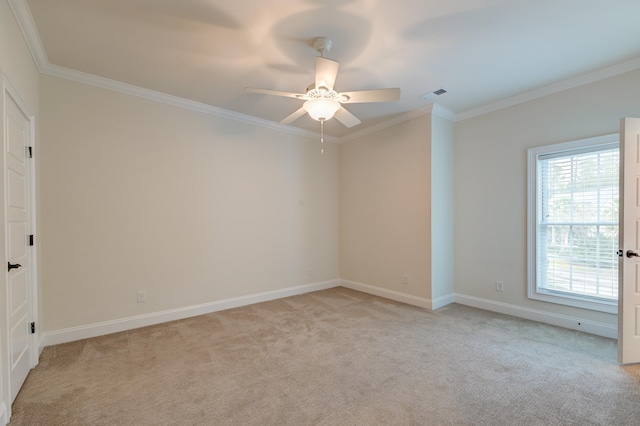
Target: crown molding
column 129, row 89
column 443, row 112
column 24, row 18
column 433, row 108
column 22, row 13
column 551, row 89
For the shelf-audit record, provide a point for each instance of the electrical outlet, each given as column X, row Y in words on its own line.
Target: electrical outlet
column 142, row 296
column 499, row 286
column 406, row 279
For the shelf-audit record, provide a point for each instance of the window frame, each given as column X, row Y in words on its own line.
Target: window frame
column 567, row 299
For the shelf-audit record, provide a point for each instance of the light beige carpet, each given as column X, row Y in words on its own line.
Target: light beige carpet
column 334, row 357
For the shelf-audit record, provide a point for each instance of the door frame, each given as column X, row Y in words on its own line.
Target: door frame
column 628, row 341
column 9, row 91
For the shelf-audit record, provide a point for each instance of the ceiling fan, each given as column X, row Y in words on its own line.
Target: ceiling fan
column 322, row 102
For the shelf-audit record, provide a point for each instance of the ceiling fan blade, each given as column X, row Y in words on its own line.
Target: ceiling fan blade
column 346, row 118
column 274, row 92
column 326, row 71
column 294, row 116
column 379, row 95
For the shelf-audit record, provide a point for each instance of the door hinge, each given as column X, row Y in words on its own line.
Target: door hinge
column 29, row 151
column 31, row 239
column 33, row 328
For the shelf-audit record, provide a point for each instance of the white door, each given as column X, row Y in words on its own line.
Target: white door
column 17, row 128
column 629, row 284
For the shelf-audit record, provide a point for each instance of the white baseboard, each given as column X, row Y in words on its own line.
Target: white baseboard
column 100, row 329
column 573, row 323
column 389, row 294
column 441, row 301
column 115, row 326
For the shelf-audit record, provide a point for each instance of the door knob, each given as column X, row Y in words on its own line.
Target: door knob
column 13, row 266
column 631, row 253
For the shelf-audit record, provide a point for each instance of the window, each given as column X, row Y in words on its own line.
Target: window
column 573, row 223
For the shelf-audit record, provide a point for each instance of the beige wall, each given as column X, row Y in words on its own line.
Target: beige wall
column 385, row 208
column 137, row 195
column 491, row 183
column 192, row 208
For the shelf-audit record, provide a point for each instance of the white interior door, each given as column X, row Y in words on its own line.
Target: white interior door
column 17, row 126
column 629, row 284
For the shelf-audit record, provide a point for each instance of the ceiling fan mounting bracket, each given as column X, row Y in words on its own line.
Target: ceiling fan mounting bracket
column 322, row 45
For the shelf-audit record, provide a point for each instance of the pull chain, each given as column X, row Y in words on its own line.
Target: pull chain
column 322, row 137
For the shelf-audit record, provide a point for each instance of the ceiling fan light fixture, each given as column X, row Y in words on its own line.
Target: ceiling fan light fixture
column 322, row 102
column 321, row 109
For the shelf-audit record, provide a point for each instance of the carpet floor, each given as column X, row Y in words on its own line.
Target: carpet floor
column 334, row 357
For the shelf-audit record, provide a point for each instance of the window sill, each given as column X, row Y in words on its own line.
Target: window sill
column 592, row 304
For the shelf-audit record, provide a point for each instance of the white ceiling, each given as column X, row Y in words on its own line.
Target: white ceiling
column 486, row 53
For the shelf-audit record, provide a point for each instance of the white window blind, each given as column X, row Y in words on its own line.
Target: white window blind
column 577, row 222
